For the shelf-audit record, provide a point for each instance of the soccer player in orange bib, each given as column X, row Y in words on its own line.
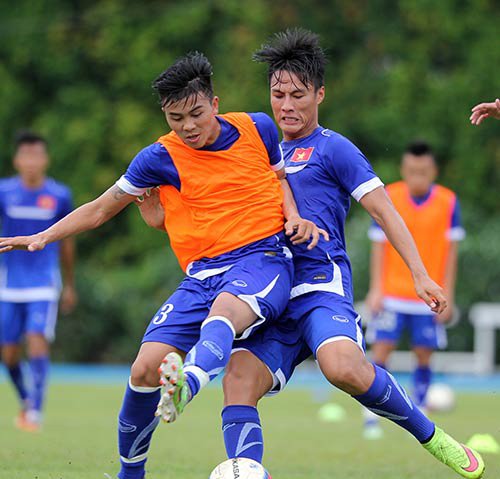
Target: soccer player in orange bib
column 432, row 215
column 225, row 200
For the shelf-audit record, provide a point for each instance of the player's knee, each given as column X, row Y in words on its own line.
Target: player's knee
column 350, row 374
column 143, row 374
column 241, row 388
column 10, row 356
column 10, row 360
column 235, row 380
column 37, row 345
column 344, row 377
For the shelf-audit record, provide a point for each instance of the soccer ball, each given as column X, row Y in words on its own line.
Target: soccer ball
column 240, row 468
column 440, row 398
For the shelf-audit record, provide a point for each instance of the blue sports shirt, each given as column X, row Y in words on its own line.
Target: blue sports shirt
column 324, row 170
column 25, row 276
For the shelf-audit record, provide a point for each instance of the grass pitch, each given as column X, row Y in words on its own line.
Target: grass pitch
column 79, row 439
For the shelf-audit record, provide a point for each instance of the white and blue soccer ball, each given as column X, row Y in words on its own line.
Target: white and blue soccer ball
column 240, row 468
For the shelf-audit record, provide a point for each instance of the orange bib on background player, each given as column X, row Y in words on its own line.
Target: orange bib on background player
column 227, row 199
column 429, row 224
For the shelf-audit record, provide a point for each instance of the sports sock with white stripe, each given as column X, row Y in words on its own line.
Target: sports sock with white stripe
column 388, row 399
column 136, row 424
column 210, row 354
column 242, row 432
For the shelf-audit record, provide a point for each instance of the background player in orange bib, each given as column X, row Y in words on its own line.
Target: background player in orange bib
column 432, row 215
column 225, row 198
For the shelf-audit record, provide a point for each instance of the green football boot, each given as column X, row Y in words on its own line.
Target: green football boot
column 463, row 460
column 174, row 389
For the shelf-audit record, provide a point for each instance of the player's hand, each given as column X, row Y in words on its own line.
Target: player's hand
column 485, row 110
column 431, row 293
column 151, row 208
column 30, row 243
column 302, row 231
column 446, row 316
column 374, row 301
column 69, row 299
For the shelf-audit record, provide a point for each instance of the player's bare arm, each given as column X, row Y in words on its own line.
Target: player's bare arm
column 299, row 229
column 88, row 216
column 380, row 207
column 151, row 210
column 485, row 110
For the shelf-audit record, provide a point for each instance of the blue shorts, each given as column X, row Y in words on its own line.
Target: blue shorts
column 424, row 330
column 310, row 321
column 18, row 319
column 261, row 279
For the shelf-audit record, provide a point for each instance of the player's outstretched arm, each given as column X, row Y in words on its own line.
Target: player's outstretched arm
column 299, row 229
column 485, row 110
column 86, row 217
column 380, row 207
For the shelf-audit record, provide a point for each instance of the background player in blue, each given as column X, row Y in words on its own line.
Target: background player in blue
column 30, row 285
column 225, row 199
column 324, row 170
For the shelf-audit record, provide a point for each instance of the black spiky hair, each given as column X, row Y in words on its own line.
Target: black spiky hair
column 27, row 137
column 295, row 51
column 419, row 148
column 190, row 76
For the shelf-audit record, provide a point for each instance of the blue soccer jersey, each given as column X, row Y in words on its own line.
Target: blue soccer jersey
column 24, row 276
column 324, row 170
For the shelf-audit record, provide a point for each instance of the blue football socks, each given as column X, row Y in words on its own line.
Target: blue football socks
column 17, row 377
column 39, row 370
column 210, row 354
column 242, row 432
column 388, row 399
column 136, row 424
column 422, row 377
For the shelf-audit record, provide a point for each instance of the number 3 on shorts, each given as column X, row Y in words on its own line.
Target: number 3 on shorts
column 161, row 317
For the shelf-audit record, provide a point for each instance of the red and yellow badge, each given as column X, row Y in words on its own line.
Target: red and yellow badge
column 302, row 154
column 46, row 202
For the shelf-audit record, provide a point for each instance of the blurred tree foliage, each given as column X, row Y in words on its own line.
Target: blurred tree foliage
column 80, row 73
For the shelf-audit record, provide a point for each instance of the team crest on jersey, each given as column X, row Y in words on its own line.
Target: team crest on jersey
column 302, row 154
column 46, row 202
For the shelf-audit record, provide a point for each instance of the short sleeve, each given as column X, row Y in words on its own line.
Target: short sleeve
column 352, row 169
column 151, row 167
column 269, row 134
column 456, row 231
